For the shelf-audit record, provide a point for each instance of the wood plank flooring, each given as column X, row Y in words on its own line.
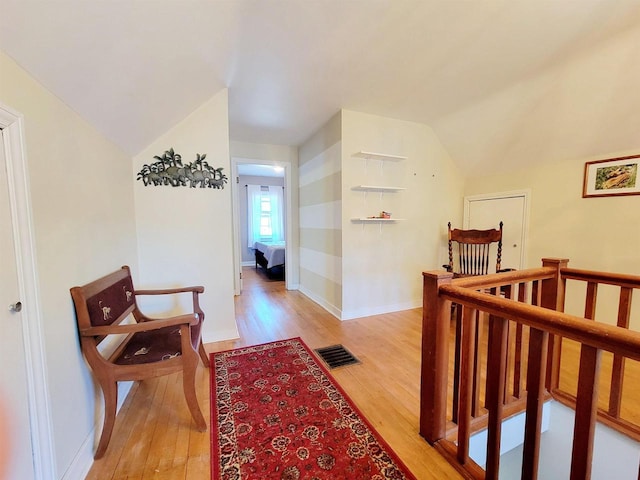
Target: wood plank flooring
column 153, row 437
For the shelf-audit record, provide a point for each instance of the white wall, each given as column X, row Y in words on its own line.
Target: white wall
column 382, row 264
column 614, row 454
column 184, row 234
column 82, row 201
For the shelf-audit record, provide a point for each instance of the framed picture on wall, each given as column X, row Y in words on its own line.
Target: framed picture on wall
column 614, row 176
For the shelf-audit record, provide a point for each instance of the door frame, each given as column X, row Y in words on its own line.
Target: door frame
column 235, row 192
column 12, row 125
column 525, row 194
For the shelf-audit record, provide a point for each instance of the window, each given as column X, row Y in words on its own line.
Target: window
column 266, row 231
column 265, row 214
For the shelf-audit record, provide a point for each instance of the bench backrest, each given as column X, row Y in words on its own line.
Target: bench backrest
column 105, row 301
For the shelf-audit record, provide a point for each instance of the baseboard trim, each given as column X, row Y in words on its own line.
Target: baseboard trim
column 83, row 460
column 359, row 312
column 379, row 310
column 332, row 309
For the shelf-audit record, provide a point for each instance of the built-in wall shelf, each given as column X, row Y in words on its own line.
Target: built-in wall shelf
column 376, row 220
column 376, row 188
column 379, row 156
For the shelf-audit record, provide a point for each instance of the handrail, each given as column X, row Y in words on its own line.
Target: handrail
column 599, row 335
column 500, row 279
column 494, row 296
column 618, row 279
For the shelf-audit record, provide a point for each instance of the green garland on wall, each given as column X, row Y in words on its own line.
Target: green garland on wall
column 169, row 170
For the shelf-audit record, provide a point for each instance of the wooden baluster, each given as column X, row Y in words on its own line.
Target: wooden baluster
column 508, row 293
column 586, row 410
column 477, row 370
column 466, row 383
column 486, row 376
column 436, row 319
column 456, row 364
column 535, row 293
column 496, row 371
column 517, row 365
column 552, row 296
column 617, row 370
column 590, row 302
column 538, row 348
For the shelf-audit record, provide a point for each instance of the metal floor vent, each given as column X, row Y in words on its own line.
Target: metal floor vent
column 336, row 356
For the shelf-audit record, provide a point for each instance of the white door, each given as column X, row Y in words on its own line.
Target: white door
column 487, row 211
column 14, row 401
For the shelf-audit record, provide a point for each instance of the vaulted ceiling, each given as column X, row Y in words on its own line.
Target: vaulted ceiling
column 502, row 82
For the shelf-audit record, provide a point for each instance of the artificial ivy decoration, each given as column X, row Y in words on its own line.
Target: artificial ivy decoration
column 169, row 170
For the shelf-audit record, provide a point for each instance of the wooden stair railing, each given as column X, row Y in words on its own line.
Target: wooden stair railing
column 610, row 412
column 532, row 304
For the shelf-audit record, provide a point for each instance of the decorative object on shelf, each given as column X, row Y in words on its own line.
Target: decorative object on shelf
column 614, row 176
column 169, row 170
column 383, row 214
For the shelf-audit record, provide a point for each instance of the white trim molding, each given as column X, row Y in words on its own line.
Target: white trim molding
column 12, row 125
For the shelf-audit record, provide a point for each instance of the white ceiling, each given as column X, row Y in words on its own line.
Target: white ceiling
column 487, row 75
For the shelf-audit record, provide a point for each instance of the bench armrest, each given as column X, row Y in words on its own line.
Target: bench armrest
column 190, row 319
column 165, row 291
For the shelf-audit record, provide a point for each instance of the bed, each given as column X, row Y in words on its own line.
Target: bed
column 270, row 256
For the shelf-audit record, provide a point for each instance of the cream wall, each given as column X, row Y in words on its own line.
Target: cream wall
column 356, row 269
column 82, row 202
column 184, row 234
column 382, row 264
column 593, row 233
column 321, row 216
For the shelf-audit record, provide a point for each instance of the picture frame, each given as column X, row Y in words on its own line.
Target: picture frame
column 612, row 177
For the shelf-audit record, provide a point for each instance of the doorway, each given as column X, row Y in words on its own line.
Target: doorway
column 258, row 168
column 23, row 384
column 512, row 208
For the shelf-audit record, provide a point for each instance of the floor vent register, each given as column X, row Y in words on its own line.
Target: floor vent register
column 336, row 356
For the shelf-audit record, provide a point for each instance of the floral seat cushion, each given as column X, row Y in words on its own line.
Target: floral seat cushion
column 154, row 346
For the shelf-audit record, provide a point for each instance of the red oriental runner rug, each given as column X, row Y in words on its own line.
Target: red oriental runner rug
column 276, row 413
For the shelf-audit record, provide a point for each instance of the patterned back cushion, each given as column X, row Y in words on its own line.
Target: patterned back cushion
column 108, row 305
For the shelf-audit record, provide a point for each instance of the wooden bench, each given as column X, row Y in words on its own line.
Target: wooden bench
column 152, row 347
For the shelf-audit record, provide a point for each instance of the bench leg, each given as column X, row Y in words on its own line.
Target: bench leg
column 189, row 387
column 110, row 392
column 203, row 354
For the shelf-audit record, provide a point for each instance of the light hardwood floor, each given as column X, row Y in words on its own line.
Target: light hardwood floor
column 153, row 436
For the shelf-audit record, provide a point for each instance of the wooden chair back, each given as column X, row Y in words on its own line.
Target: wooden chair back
column 474, row 250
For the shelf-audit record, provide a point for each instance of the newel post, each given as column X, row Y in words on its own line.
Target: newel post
column 553, row 294
column 436, row 319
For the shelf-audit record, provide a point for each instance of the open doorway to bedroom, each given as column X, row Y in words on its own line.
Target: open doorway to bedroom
column 261, row 220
